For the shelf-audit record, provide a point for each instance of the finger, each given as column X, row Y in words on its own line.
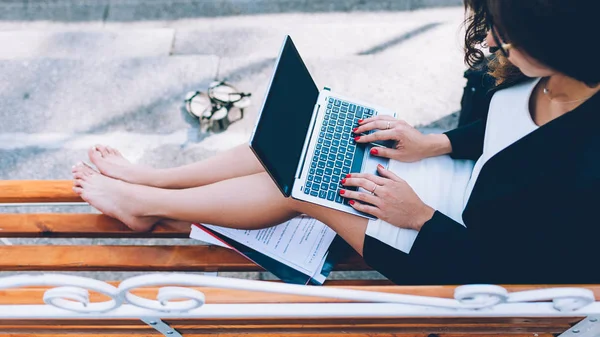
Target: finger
column 376, row 118
column 379, row 135
column 359, row 182
column 377, row 180
column 384, row 152
column 361, row 196
column 366, row 208
column 375, row 125
column 388, row 174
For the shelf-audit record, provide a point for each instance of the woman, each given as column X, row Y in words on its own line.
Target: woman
column 530, row 200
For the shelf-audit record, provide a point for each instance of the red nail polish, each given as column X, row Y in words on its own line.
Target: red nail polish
column 374, row 151
column 360, row 121
column 348, row 175
column 351, row 202
column 354, row 130
column 380, row 166
column 344, row 181
column 342, row 191
column 356, row 138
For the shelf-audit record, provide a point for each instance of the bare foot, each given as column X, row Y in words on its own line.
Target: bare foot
column 110, row 162
column 112, row 197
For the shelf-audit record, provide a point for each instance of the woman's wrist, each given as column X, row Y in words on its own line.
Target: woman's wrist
column 422, row 217
column 438, row 144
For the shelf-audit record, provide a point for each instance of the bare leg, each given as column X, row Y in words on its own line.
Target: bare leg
column 247, row 202
column 237, row 162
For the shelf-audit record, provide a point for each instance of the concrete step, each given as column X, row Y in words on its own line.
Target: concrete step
column 330, row 35
column 135, row 10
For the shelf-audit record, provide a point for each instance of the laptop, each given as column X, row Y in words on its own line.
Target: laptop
column 303, row 136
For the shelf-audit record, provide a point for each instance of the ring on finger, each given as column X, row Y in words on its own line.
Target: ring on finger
column 374, row 188
column 388, row 125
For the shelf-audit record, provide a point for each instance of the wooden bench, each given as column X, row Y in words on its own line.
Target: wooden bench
column 23, row 313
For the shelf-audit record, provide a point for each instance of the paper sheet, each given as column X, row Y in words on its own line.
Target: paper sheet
column 301, row 243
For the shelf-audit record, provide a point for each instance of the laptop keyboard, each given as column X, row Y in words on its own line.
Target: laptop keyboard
column 336, row 153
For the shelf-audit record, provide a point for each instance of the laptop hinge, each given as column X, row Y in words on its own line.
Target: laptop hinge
column 311, row 127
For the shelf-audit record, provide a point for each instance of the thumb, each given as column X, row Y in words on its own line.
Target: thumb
column 388, row 174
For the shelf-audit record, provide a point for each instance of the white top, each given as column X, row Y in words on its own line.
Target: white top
column 446, row 184
column 509, row 120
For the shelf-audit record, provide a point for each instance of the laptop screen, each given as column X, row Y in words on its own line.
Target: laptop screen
column 285, row 117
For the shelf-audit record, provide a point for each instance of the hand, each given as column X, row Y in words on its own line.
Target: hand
column 411, row 145
column 394, row 201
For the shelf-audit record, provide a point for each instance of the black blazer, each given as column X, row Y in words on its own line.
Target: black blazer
column 532, row 216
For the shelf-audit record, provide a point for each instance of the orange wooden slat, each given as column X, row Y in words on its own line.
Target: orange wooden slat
column 27, row 191
column 308, row 334
column 81, row 226
column 135, row 258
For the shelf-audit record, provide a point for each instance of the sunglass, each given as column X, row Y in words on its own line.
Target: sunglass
column 222, row 104
column 500, row 45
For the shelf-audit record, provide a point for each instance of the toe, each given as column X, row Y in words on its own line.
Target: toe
column 77, row 190
column 103, row 150
column 94, row 154
column 110, row 150
column 78, row 183
column 87, row 170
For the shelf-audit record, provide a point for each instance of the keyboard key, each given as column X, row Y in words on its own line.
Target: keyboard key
column 351, row 148
column 333, row 150
column 347, row 129
column 346, row 136
column 333, row 186
column 342, row 115
column 315, row 158
column 331, row 129
column 328, row 136
column 344, row 143
column 327, row 143
column 340, row 156
column 320, row 172
column 343, row 149
column 308, row 185
column 336, row 143
column 337, row 171
column 344, row 103
column 317, row 180
column 324, row 187
column 323, row 194
column 322, row 134
column 349, row 155
column 346, row 170
column 332, row 122
column 323, row 157
column 339, row 129
column 359, row 111
column 348, row 162
column 323, row 128
column 329, row 106
column 313, row 165
column 315, row 187
column 306, row 191
column 320, row 141
column 310, row 178
column 319, row 147
column 344, row 109
column 352, row 108
column 326, row 179
column 314, row 193
column 328, row 172
column 338, row 164
column 320, row 165
column 337, row 136
column 350, row 116
column 317, row 152
column 329, row 164
column 325, row 150
column 331, row 100
column 331, row 195
column 337, row 102
column 334, row 116
column 347, row 123
column 312, row 171
column 339, row 199
column 325, row 123
column 335, row 109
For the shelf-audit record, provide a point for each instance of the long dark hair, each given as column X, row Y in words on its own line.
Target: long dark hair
column 554, row 32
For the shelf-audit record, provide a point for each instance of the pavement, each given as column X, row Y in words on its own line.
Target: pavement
column 67, row 85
